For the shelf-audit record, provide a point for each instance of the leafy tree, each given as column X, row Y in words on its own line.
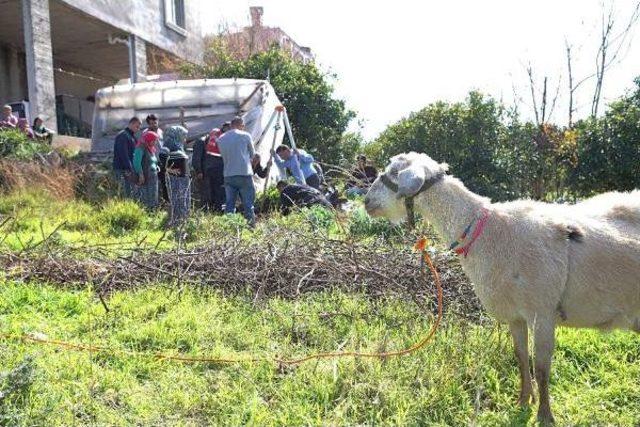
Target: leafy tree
column 608, row 148
column 499, row 156
column 466, row 135
column 318, row 118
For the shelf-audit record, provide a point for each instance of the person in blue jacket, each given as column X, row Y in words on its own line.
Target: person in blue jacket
column 123, row 147
column 299, row 163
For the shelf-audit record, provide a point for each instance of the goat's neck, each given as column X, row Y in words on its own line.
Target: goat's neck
column 449, row 206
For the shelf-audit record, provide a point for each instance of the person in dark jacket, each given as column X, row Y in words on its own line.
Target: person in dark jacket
column 302, row 196
column 209, row 167
column 123, row 147
column 257, row 166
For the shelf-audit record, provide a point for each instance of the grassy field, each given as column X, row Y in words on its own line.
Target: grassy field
column 465, row 376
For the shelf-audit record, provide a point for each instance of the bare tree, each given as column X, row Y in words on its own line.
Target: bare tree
column 543, row 108
column 546, row 108
column 608, row 41
column 601, row 60
column 532, row 87
column 612, row 49
column 571, row 87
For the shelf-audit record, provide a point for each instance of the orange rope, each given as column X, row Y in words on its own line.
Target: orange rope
column 382, row 355
column 334, row 355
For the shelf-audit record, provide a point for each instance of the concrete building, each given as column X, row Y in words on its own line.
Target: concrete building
column 56, row 53
column 258, row 38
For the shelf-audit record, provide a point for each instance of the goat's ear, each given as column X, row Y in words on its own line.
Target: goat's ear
column 410, row 180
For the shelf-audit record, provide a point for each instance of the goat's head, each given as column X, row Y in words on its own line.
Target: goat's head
column 409, row 172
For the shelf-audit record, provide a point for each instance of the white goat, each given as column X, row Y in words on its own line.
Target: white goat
column 535, row 265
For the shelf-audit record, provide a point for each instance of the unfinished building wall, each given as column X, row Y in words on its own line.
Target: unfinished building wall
column 13, row 81
column 39, row 58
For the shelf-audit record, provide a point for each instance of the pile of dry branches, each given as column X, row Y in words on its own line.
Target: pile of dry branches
column 284, row 265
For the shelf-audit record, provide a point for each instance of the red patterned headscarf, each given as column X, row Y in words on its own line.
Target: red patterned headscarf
column 148, row 141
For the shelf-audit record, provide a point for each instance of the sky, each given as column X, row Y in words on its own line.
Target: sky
column 392, row 58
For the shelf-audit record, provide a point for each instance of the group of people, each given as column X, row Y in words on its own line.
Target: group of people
column 150, row 164
column 37, row 131
column 154, row 163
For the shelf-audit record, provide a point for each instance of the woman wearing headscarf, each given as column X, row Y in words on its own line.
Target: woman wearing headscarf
column 178, row 180
column 145, row 165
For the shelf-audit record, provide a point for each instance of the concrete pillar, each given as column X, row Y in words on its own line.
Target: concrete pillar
column 39, row 59
column 14, row 81
column 137, row 59
column 4, row 76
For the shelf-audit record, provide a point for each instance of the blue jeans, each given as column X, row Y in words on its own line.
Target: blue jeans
column 125, row 186
column 243, row 185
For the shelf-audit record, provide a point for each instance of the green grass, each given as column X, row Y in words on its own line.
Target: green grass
column 466, row 376
column 30, row 217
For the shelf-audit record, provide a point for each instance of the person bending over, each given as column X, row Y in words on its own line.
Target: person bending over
column 301, row 196
column 299, row 163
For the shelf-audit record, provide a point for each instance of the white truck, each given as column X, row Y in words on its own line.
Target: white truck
column 201, row 105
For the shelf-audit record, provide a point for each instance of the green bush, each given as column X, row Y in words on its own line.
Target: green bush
column 79, row 216
column 14, row 391
column 608, row 148
column 268, row 201
column 320, row 217
column 362, row 225
column 496, row 154
column 121, row 216
column 15, row 144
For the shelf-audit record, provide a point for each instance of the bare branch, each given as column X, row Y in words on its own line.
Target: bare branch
column 532, row 86
column 544, row 100
column 571, row 87
column 555, row 97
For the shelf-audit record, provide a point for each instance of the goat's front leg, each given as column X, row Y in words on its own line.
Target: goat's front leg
column 544, row 341
column 520, row 336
